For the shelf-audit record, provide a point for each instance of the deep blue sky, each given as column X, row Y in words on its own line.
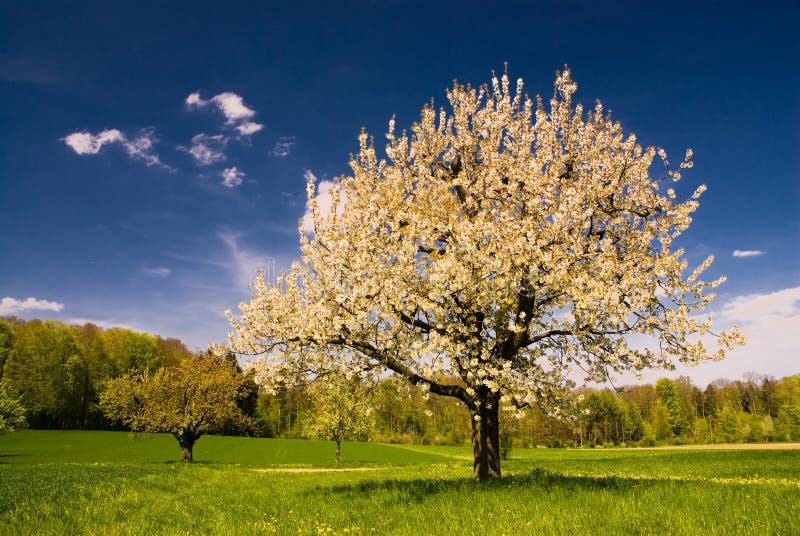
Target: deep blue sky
column 165, row 248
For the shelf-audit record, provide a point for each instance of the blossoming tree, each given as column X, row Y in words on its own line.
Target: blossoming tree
column 504, row 244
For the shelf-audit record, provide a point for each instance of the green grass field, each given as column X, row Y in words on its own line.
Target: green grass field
column 104, row 483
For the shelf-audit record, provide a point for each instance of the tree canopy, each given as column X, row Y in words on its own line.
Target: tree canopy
column 12, row 413
column 188, row 400
column 341, row 409
column 502, row 243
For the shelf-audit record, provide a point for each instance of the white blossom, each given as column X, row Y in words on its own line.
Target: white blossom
column 516, row 241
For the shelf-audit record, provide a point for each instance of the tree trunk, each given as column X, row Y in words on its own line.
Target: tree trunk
column 186, row 444
column 338, row 450
column 486, row 439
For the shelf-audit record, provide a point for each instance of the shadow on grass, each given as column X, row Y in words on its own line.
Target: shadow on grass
column 4, row 456
column 420, row 489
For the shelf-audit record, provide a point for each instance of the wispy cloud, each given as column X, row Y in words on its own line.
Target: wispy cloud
column 157, row 271
column 748, row 253
column 206, row 150
column 237, row 115
column 10, row 305
column 324, row 202
column 192, row 260
column 283, row 147
column 765, row 307
column 231, row 177
column 771, row 323
column 243, row 262
column 138, row 148
column 105, row 323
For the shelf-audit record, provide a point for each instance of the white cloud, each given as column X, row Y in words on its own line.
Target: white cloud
column 771, row 324
column 232, row 107
column 85, row 143
column 248, row 128
column 748, row 253
column 237, row 114
column 194, row 101
column 231, row 177
column 283, row 147
column 764, row 308
column 10, row 306
column 158, row 271
column 138, row 148
column 207, row 150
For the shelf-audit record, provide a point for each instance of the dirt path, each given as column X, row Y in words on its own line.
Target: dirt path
column 723, row 446
column 313, row 469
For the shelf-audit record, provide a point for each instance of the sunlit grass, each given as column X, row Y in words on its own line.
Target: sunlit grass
column 416, row 490
column 48, row 446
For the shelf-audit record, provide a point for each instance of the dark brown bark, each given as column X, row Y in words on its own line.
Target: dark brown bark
column 338, row 450
column 186, row 441
column 486, row 438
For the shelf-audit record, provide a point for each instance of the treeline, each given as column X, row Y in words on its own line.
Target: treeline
column 58, row 372
column 756, row 409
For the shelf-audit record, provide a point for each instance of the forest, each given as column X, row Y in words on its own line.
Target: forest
column 58, row 372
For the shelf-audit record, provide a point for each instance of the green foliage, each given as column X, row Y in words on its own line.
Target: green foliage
column 196, row 397
column 12, row 412
column 340, row 409
column 6, row 343
column 788, row 422
column 729, row 427
column 701, row 432
column 279, row 414
column 128, row 350
column 58, row 373
column 608, row 419
column 406, row 414
column 661, row 422
column 670, row 400
column 509, row 427
column 635, row 415
column 37, row 370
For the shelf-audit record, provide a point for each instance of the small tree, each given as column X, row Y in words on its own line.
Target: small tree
column 341, row 409
column 670, row 399
column 12, row 413
column 196, row 397
column 500, row 242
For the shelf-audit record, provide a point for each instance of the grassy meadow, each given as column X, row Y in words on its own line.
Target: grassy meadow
column 55, row 482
